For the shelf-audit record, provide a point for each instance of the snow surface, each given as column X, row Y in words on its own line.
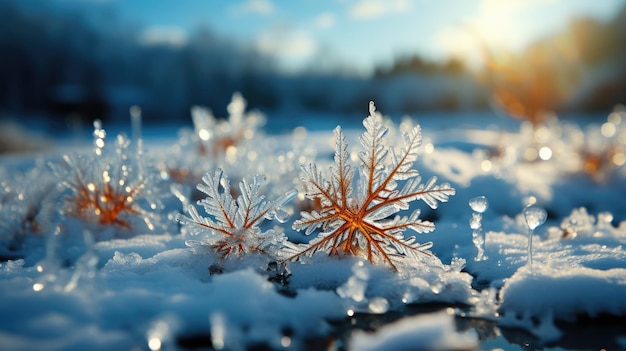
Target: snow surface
column 75, row 285
column 434, row 331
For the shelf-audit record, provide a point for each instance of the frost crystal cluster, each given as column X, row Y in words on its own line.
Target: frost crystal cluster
column 215, row 136
column 214, row 142
column 233, row 226
column 109, row 188
column 366, row 223
column 22, row 199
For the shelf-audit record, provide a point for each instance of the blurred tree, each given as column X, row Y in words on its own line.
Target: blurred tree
column 57, row 61
column 416, row 64
column 583, row 67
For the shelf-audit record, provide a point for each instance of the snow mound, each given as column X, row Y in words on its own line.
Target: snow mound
column 436, row 331
column 534, row 300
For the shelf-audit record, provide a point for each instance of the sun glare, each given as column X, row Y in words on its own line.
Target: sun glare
column 496, row 25
column 528, row 71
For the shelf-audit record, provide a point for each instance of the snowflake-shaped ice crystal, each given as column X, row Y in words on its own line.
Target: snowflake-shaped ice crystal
column 367, row 224
column 233, row 226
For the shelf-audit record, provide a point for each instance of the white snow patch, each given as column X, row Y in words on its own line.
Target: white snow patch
column 434, row 331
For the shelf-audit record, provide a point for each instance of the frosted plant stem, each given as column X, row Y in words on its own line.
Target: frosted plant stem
column 534, row 216
column 530, row 250
column 99, row 135
column 478, row 238
column 479, row 205
column 136, row 121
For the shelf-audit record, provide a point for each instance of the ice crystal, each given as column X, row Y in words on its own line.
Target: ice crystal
column 534, row 217
column 581, row 224
column 214, row 142
column 367, row 224
column 602, row 149
column 479, row 205
column 599, row 151
column 354, row 290
column 24, row 200
column 233, row 226
column 109, row 189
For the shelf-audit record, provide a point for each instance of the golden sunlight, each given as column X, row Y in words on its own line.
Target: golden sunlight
column 527, row 77
column 496, row 25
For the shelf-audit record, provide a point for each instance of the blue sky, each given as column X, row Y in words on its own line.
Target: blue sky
column 358, row 34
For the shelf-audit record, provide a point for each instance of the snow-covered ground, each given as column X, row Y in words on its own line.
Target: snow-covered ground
column 73, row 277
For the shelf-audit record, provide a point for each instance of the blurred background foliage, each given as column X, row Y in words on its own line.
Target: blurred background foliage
column 61, row 65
